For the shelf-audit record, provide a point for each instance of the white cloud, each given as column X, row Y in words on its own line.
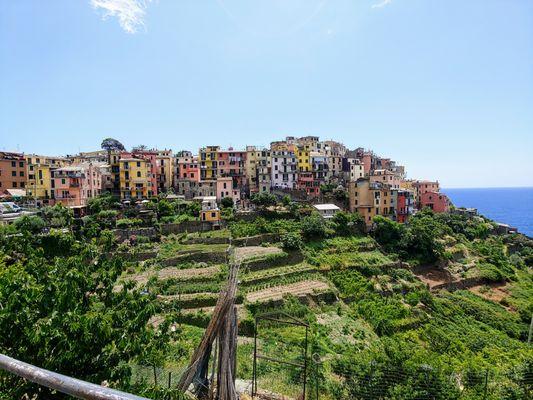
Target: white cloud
column 130, row 13
column 382, row 4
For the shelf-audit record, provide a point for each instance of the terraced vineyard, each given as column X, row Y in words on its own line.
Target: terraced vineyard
column 351, row 291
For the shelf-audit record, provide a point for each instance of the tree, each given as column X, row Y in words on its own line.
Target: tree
column 291, row 240
column 263, row 199
column 58, row 216
column 102, row 202
column 64, row 315
column 110, row 145
column 314, row 226
column 388, row 233
column 30, row 224
column 347, row 224
column 226, row 202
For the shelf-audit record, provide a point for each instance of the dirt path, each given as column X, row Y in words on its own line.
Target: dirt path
column 296, row 289
column 496, row 291
column 434, row 276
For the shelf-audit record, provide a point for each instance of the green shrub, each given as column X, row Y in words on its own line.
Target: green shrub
column 314, row 226
column 291, row 241
column 31, row 224
column 128, row 222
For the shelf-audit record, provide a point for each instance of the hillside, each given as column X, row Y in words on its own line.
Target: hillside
column 436, row 309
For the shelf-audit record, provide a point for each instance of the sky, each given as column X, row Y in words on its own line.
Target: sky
column 443, row 87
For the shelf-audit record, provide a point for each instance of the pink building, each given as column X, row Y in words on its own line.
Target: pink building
column 422, row 187
column 366, row 160
column 232, row 164
column 75, row 184
column 227, row 188
column 438, row 202
column 307, row 182
column 187, row 167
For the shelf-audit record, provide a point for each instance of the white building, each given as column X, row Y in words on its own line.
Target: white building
column 327, row 211
column 283, row 167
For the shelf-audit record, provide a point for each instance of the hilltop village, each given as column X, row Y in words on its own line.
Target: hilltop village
column 305, row 168
column 305, row 270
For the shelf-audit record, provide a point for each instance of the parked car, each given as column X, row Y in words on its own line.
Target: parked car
column 9, row 207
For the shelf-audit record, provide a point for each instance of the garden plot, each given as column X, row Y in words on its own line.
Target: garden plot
column 253, row 252
column 284, row 272
column 298, row 289
column 189, row 274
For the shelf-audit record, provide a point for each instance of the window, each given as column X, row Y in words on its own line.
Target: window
column 138, row 163
column 14, row 184
column 14, row 164
column 21, row 173
column 63, row 181
column 213, row 214
column 21, row 163
column 138, row 174
column 13, row 173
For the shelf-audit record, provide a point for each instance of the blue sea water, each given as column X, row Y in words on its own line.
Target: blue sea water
column 512, row 206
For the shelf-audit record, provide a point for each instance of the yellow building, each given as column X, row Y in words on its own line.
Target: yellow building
column 304, row 159
column 210, row 211
column 134, row 178
column 370, row 199
column 39, row 173
column 165, row 168
column 208, row 160
column 250, row 168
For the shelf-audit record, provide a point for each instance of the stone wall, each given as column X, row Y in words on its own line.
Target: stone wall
column 125, row 234
column 189, row 226
column 216, row 257
column 256, row 240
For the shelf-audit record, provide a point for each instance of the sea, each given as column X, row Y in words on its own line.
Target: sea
column 512, row 206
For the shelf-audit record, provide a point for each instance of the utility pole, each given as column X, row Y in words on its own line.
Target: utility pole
column 530, row 330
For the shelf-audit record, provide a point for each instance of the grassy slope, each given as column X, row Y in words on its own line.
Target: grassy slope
column 384, row 314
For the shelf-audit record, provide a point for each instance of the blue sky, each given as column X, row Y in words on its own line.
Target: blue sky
column 444, row 87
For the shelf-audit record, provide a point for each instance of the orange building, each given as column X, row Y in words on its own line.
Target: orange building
column 12, row 171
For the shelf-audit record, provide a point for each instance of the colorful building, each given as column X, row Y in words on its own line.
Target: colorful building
column 135, row 179
column 232, row 163
column 422, row 187
column 284, row 169
column 210, row 211
column 40, row 173
column 264, row 171
column 387, row 177
column 12, row 170
column 403, row 203
column 208, row 162
column 438, row 202
column 370, row 199
column 74, row 185
column 226, row 188
column 164, row 170
column 352, row 169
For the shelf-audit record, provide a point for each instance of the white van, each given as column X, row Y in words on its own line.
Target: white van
column 9, row 207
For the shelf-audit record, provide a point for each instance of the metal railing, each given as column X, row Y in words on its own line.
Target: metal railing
column 61, row 383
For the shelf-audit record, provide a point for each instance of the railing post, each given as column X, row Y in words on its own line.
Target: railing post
column 61, row 383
